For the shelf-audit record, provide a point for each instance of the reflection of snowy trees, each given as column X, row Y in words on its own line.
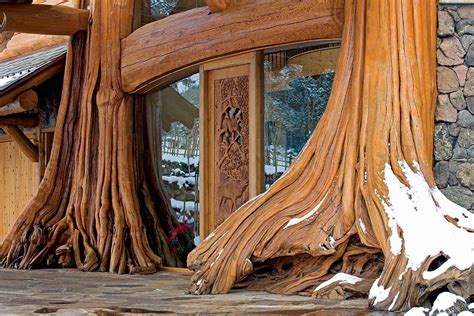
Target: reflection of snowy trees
column 294, row 105
column 161, row 8
column 180, row 165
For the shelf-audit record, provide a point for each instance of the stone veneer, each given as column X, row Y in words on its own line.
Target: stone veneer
column 454, row 129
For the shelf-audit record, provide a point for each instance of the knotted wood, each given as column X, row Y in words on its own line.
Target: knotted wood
column 361, row 198
column 98, row 206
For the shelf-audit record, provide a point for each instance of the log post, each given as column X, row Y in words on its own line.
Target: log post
column 25, row 144
column 98, row 206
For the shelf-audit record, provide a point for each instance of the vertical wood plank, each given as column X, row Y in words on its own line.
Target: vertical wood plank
column 18, row 183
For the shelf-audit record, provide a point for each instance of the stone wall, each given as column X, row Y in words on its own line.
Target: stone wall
column 454, row 129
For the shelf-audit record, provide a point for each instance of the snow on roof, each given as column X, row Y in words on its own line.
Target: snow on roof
column 12, row 71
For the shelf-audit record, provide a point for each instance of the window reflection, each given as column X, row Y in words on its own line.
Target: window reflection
column 298, row 83
column 173, row 114
column 153, row 10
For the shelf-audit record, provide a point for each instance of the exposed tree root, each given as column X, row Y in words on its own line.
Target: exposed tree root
column 343, row 205
column 97, row 207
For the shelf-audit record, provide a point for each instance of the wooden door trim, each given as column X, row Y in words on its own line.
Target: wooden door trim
column 254, row 61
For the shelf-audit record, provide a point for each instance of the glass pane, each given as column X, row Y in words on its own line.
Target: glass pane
column 178, row 165
column 153, row 10
column 298, row 83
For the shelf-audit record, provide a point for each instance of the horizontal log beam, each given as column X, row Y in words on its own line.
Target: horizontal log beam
column 44, row 19
column 26, row 101
column 25, row 144
column 182, row 41
column 23, row 120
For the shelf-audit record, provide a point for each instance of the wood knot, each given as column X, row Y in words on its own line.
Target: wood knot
column 217, row 5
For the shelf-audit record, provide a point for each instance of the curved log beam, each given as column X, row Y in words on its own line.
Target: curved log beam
column 184, row 40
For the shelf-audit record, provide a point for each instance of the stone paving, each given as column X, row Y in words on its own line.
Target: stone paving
column 71, row 292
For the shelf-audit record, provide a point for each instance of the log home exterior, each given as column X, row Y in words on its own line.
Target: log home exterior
column 109, row 199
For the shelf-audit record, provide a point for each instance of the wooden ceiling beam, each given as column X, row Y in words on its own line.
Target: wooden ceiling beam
column 23, row 120
column 25, row 144
column 44, row 19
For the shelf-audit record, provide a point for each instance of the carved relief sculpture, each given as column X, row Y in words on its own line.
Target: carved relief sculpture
column 231, row 119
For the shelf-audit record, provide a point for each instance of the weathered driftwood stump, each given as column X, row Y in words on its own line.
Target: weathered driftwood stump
column 358, row 211
column 98, row 207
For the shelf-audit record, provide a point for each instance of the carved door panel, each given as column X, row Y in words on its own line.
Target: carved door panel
column 231, row 136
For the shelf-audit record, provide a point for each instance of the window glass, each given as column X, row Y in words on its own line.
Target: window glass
column 180, row 149
column 298, row 83
column 153, row 10
column 174, row 112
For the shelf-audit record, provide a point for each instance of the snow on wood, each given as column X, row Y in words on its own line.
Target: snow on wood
column 444, row 302
column 378, row 292
column 419, row 211
column 339, row 278
column 417, row 311
column 298, row 220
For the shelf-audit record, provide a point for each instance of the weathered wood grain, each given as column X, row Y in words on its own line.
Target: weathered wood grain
column 98, row 207
column 337, row 209
column 184, row 40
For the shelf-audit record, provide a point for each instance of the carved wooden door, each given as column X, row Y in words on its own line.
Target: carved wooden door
column 231, row 136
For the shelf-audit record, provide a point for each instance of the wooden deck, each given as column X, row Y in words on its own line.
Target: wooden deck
column 80, row 293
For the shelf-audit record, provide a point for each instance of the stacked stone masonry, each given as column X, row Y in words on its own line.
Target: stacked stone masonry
column 454, row 129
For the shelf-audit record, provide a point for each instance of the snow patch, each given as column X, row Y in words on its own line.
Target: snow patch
column 465, row 313
column 298, row 220
column 444, row 301
column 418, row 211
column 183, row 205
column 341, row 278
column 362, row 226
column 181, row 159
column 378, row 293
column 390, row 308
column 417, row 311
column 180, row 181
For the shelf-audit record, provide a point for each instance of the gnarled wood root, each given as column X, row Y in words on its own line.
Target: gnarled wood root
column 354, row 199
column 98, row 206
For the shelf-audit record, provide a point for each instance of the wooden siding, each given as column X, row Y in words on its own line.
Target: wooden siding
column 19, row 181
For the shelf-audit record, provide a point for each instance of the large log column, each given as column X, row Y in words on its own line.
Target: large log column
column 358, row 212
column 98, row 207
